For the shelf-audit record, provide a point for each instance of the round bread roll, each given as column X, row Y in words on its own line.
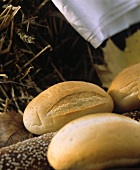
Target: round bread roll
column 124, row 89
column 96, row 142
column 63, row 102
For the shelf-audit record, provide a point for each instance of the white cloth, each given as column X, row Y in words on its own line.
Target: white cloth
column 96, row 20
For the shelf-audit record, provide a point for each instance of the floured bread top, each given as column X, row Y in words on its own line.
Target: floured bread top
column 75, row 102
column 63, row 102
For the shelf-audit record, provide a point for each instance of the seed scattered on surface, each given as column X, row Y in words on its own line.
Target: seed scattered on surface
column 29, row 154
column 134, row 115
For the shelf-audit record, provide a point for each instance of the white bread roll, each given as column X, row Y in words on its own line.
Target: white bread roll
column 96, row 142
column 125, row 89
column 63, row 102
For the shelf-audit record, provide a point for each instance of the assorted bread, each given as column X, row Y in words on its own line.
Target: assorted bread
column 96, row 142
column 63, row 102
column 125, row 89
column 89, row 136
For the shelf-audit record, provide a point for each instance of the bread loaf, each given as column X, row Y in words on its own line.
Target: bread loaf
column 125, row 89
column 26, row 155
column 96, row 142
column 133, row 115
column 63, row 102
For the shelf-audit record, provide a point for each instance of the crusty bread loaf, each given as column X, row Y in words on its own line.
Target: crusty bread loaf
column 125, row 89
column 63, row 102
column 96, row 142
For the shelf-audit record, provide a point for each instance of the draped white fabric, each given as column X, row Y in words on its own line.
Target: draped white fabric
column 96, row 20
